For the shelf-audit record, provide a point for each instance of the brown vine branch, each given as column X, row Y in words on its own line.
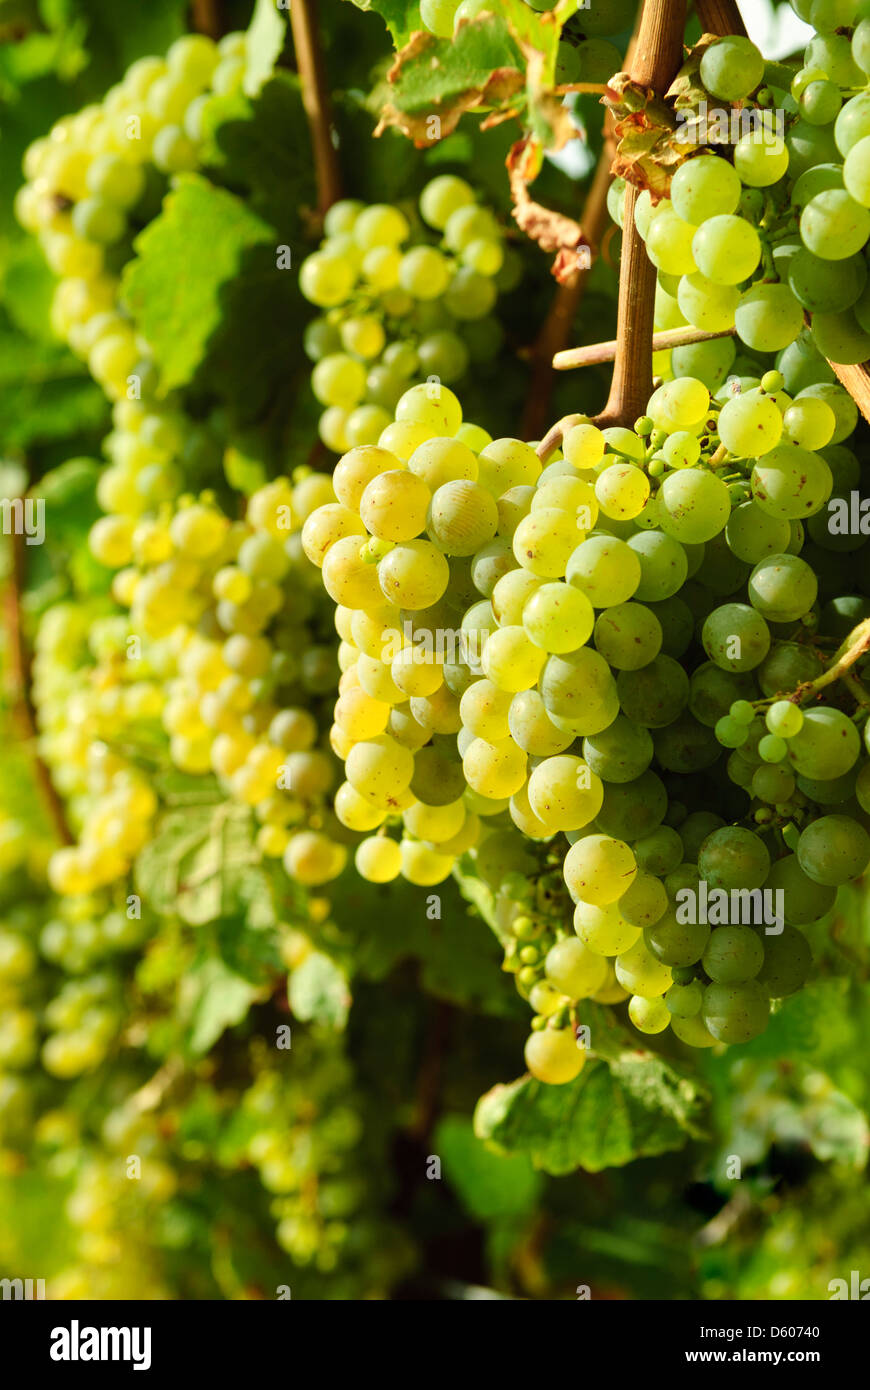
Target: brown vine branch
column 18, row 659
column 316, row 99
column 606, row 352
column 720, row 17
column 657, row 58
column 206, row 18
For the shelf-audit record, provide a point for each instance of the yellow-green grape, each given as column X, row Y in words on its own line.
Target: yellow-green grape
column 435, row 823
column 356, row 469
column 545, row 1000
column 511, row 661
column 605, row 569
column 564, row 793
column 553, row 1056
column 432, row 405
column 360, row 716
column 583, row 446
column 413, row 575
column 465, row 838
column 440, row 460
column 524, row 818
column 416, row 672
column 311, row 858
column 463, row 517
column 648, row 1015
column 556, row 617
column 494, row 770
column 599, row 869
column 380, row 769
column 380, row 225
column 355, row 811
column 638, row 971
column 423, row 865
column 484, row 709
column 621, row 490
column 574, row 969
column 378, row 859
column 376, row 679
column 325, row 526
column 510, row 595
column 545, row 540
column 611, row 992
column 568, row 493
column 347, row 578
column 507, row 463
column 604, row 929
column 394, row 505
column 111, row 540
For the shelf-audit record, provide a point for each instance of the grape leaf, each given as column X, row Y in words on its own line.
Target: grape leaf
column 635, row 1106
column 264, row 41
column 45, row 393
column 212, row 999
column 318, row 991
column 401, row 17
column 488, row 1183
column 201, row 863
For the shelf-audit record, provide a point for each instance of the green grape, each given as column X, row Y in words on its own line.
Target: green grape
column 326, row 280
column 605, row 569
column 564, row 793
column 676, row 405
column 726, row 249
column 695, row 505
column 631, row 810
column 826, row 745
column 804, row 899
column 554, row 1057
column 787, row 963
column 648, row 1015
column 791, row 482
column 844, row 408
column 676, row 943
column 735, row 637
column 441, row 197
column 753, row 534
column 508, row 463
column 694, row 831
column 768, row 317
column 733, row 858
column 444, row 355
column 856, row 171
column 677, row 624
column 532, row 729
column 692, row 1031
column 558, row 618
column 115, row 180
column 819, row 102
column 490, row 564
column 378, row 859
column 686, row 746
column 733, row 955
column 511, row 660
column 772, row 784
column 669, row 244
column 644, row 902
column 545, row 540
column 833, row 225
column 826, row 286
column 735, row 1013
column 462, row 517
column 709, row 361
column 638, row 971
column 684, row 1001
column 731, row 68
column 659, row 852
column 705, row 187
column 809, row 423
column 575, row 970
column 97, row 219
column 750, row 425
column 413, row 575
column 654, row 695
column 782, row 588
column 576, row 685
column 495, row 770
column 713, row 690
column 663, row 564
column 619, row 753
column 628, row 635
column 604, row 929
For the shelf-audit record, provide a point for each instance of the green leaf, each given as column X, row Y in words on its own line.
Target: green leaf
column 213, row 999
column 609, row 1116
column 201, row 863
column 45, row 393
column 318, row 991
column 488, row 1183
column 70, row 494
column 265, row 39
column 176, row 297
column 401, row 17
column 444, row 78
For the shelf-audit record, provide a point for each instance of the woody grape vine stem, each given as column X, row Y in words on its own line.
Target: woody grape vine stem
column 606, row 352
column 316, row 100
column 657, row 58
column 18, row 659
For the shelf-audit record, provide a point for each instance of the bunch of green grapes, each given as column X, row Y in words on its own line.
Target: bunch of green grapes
column 225, row 629
column 397, row 306
column 610, row 653
column 306, row 1137
column 99, row 176
column 768, row 217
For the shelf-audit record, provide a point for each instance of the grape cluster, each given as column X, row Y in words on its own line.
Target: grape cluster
column 99, row 176
column 768, row 218
column 628, row 617
column 398, row 307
